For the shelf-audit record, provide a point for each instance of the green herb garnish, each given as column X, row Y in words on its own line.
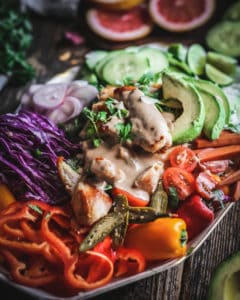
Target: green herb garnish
column 15, row 39
column 36, row 208
column 124, row 131
column 48, row 215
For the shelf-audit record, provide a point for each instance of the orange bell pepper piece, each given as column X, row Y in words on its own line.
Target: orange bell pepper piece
column 6, row 196
column 161, row 239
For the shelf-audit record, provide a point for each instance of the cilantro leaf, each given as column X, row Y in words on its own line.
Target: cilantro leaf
column 124, row 131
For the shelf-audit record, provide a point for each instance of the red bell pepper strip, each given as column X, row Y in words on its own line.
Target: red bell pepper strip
column 105, row 247
column 132, row 200
column 36, row 275
column 129, row 262
column 78, row 269
column 196, row 215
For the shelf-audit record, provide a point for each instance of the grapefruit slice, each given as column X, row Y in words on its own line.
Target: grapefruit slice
column 181, row 15
column 120, row 25
column 117, row 4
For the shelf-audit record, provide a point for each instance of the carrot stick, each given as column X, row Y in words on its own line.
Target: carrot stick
column 226, row 152
column 226, row 138
column 233, row 177
column 236, row 193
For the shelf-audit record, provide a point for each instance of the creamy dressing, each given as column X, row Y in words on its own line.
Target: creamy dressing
column 149, row 128
column 127, row 163
column 121, row 166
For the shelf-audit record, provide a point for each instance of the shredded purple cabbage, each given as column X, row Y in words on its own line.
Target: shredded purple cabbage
column 29, row 147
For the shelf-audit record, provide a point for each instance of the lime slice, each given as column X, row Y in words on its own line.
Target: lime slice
column 180, row 65
column 224, row 63
column 224, row 38
column 178, row 51
column 196, row 59
column 217, row 76
column 233, row 13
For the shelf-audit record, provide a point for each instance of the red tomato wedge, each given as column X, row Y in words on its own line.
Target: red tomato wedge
column 181, row 180
column 206, row 183
column 184, row 158
column 132, row 200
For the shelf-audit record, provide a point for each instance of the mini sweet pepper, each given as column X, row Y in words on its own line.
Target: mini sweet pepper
column 158, row 240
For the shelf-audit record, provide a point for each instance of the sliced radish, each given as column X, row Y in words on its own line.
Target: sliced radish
column 70, row 108
column 50, row 96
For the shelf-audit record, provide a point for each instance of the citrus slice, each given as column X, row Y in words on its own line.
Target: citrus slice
column 224, row 38
column 120, row 25
column 196, row 58
column 217, row 76
column 117, row 4
column 181, row 15
column 233, row 12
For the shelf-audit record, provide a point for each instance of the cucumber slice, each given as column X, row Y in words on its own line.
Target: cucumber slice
column 126, row 65
column 233, row 13
column 215, row 116
column 102, row 62
column 178, row 51
column 93, row 57
column 216, row 91
column 224, row 38
column 217, row 76
column 156, row 58
column 196, row 59
column 224, row 63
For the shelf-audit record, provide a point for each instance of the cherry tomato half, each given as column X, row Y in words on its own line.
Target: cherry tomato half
column 181, row 180
column 184, row 158
column 206, row 183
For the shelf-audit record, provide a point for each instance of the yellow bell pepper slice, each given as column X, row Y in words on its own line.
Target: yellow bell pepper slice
column 6, row 196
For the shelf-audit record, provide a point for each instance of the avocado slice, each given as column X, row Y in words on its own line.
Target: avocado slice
column 215, row 115
column 214, row 90
column 225, row 281
column 190, row 123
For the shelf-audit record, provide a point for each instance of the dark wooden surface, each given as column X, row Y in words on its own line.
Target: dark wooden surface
column 188, row 281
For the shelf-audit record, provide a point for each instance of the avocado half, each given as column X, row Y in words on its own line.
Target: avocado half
column 225, row 281
column 189, row 125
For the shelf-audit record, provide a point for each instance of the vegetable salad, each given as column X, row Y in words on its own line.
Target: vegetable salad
column 103, row 176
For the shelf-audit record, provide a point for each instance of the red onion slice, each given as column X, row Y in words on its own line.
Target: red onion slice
column 50, row 96
column 86, row 93
column 70, row 108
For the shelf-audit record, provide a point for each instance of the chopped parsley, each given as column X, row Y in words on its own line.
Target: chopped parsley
column 124, row 131
column 15, row 40
column 36, row 208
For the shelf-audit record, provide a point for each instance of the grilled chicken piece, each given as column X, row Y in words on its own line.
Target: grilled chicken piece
column 107, row 92
column 149, row 128
column 105, row 169
column 149, row 178
column 89, row 203
column 68, row 176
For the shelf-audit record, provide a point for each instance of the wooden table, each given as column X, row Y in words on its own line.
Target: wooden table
column 189, row 280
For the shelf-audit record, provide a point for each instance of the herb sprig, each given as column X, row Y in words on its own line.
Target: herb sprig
column 124, row 131
column 15, row 40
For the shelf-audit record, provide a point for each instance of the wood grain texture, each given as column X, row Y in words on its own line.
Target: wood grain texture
column 185, row 282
